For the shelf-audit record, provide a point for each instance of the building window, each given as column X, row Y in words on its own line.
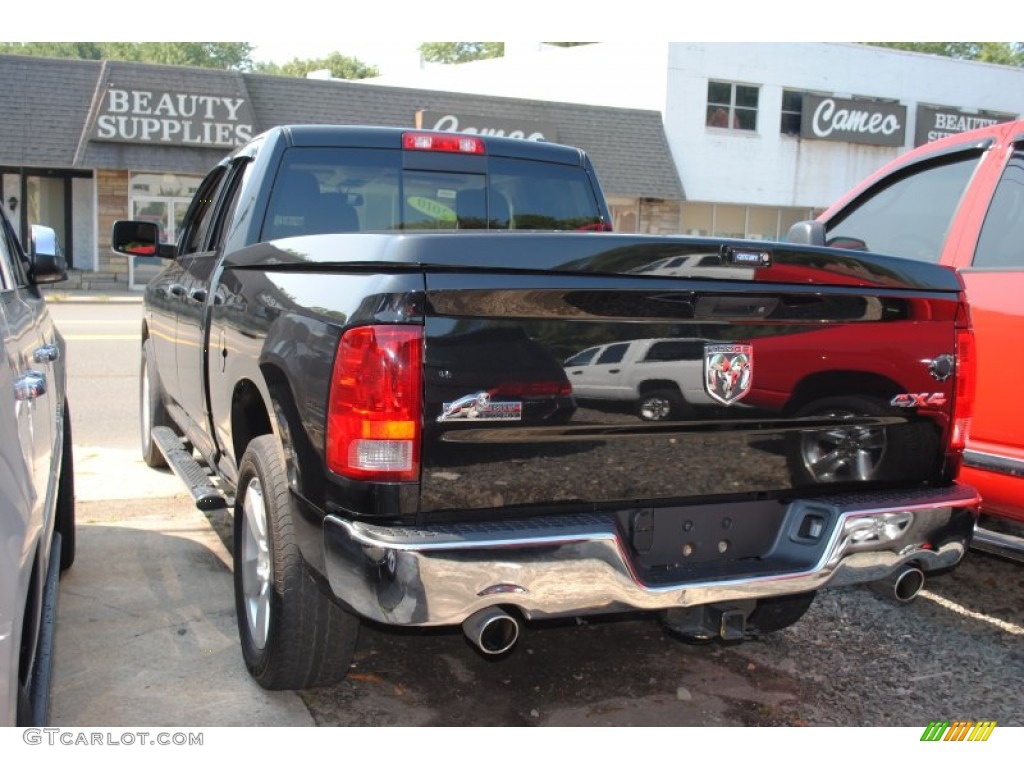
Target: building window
column 732, row 106
column 792, row 108
column 162, row 198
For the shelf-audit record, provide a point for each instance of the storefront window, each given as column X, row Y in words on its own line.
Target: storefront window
column 740, row 221
column 163, row 199
column 762, row 223
column 730, row 220
column 624, row 214
column 698, row 219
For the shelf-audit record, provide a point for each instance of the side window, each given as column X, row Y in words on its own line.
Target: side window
column 241, row 172
column 613, row 353
column 672, row 351
column 792, row 112
column 7, row 279
column 11, row 255
column 200, row 213
column 1001, row 244
column 910, row 213
column 582, row 358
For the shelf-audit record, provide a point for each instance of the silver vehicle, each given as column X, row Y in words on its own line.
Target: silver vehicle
column 37, row 504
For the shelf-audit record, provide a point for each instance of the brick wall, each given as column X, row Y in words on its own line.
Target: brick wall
column 112, row 201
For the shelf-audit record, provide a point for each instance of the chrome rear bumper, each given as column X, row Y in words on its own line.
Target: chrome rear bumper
column 582, row 564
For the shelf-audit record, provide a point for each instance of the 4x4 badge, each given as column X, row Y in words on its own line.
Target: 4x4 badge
column 728, row 371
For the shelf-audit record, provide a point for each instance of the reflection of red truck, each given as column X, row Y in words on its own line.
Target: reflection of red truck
column 959, row 201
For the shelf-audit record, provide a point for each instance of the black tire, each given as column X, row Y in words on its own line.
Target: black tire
column 856, row 454
column 293, row 635
column 65, row 522
column 660, row 405
column 775, row 613
column 152, row 412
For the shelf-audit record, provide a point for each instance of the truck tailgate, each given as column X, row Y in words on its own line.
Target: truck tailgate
column 807, row 379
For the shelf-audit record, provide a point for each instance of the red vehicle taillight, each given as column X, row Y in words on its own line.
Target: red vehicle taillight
column 966, row 373
column 443, row 142
column 375, row 404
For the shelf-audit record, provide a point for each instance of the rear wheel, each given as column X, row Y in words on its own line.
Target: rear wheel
column 152, row 412
column 841, row 453
column 660, row 405
column 293, row 636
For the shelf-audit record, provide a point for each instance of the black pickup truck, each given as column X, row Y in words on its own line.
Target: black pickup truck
column 360, row 344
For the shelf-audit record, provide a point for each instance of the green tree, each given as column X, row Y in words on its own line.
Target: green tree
column 994, row 53
column 457, row 53
column 236, row 56
column 340, row 66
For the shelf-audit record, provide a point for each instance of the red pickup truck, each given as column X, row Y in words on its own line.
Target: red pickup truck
column 959, row 201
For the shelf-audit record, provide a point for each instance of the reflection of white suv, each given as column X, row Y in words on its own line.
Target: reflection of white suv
column 661, row 376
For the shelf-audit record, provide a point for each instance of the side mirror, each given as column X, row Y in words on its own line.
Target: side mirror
column 139, row 238
column 807, row 233
column 45, row 257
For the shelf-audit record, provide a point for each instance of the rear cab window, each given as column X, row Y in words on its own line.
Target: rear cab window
column 325, row 190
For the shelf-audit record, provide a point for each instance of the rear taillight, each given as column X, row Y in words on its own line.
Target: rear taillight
column 375, row 404
column 443, row 142
column 966, row 373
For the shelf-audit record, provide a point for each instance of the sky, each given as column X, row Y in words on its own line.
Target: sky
column 389, row 32
column 388, row 57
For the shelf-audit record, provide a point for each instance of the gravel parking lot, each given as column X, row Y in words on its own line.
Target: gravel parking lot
column 857, row 658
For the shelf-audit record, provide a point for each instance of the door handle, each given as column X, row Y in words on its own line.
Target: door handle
column 48, row 353
column 575, row 373
column 614, row 370
column 30, row 385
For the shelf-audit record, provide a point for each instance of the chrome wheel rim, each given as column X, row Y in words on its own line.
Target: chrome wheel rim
column 655, row 409
column 256, row 567
column 843, row 453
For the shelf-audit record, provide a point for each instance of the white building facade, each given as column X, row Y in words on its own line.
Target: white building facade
column 762, row 134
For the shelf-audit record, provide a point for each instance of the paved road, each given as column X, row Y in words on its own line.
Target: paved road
column 103, row 394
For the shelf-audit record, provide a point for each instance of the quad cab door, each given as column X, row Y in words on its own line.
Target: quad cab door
column 200, row 250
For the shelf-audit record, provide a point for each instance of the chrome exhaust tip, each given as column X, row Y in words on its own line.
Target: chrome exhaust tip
column 903, row 586
column 907, row 583
column 492, row 630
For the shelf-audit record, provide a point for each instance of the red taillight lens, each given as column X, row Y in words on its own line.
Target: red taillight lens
column 375, row 404
column 443, row 142
column 963, row 405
